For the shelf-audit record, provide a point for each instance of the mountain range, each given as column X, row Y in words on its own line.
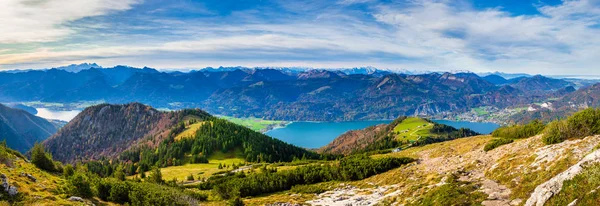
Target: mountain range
column 284, row 94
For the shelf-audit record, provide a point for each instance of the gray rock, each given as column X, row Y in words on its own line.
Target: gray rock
column 31, row 177
column 12, row 191
column 76, row 199
column 283, row 204
column 545, row 191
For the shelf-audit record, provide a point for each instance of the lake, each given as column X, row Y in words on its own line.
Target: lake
column 318, row 134
column 56, row 114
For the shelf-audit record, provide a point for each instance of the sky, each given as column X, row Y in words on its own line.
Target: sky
column 533, row 36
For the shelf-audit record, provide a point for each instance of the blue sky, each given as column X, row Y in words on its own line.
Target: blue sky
column 535, row 36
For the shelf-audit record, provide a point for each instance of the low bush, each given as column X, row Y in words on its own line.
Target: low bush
column 520, row 131
column 308, row 189
column 556, row 132
column 138, row 193
column 581, row 124
column 79, row 185
column 496, row 143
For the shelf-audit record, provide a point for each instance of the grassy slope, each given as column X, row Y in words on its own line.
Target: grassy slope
column 198, row 170
column 412, row 128
column 45, row 191
column 190, row 131
column 255, row 124
column 45, row 187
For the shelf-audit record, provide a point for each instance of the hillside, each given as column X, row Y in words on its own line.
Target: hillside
column 526, row 171
column 41, row 188
column 21, row 129
column 401, row 133
column 107, row 130
column 571, row 102
column 164, row 138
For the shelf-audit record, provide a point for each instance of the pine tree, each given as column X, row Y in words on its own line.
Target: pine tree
column 156, row 176
column 41, row 159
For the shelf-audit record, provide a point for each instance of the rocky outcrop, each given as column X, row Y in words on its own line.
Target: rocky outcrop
column 553, row 186
column 7, row 188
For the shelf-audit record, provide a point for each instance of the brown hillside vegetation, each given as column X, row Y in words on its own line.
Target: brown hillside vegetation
column 353, row 140
column 107, row 130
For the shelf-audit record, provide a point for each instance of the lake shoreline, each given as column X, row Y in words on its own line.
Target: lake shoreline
column 308, row 134
column 287, row 123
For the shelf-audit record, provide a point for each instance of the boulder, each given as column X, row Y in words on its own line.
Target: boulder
column 76, row 199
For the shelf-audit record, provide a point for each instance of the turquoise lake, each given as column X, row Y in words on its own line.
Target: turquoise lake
column 318, row 134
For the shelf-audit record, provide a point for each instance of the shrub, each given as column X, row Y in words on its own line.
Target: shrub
column 119, row 174
column 520, row 131
column 119, row 192
column 142, row 194
column 41, row 159
column 103, row 189
column 496, row 143
column 190, row 178
column 581, row 124
column 199, row 158
column 5, row 157
column 155, row 176
column 236, row 202
column 584, row 123
column 197, row 195
column 68, row 170
column 556, row 132
column 79, row 185
column 308, row 189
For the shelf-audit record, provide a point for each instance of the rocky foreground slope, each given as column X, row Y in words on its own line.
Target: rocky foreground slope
column 459, row 172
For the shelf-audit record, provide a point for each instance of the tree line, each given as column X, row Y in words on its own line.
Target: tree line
column 269, row 180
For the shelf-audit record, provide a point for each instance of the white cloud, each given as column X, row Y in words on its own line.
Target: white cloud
column 45, row 20
column 419, row 35
column 496, row 40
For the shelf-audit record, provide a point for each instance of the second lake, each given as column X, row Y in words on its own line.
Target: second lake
column 318, row 134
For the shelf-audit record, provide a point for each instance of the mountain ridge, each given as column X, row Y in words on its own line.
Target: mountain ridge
column 21, row 129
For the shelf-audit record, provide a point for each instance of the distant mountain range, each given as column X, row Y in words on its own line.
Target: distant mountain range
column 21, row 129
column 283, row 94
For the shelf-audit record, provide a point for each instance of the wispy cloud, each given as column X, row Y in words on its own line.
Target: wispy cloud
column 45, row 20
column 415, row 34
